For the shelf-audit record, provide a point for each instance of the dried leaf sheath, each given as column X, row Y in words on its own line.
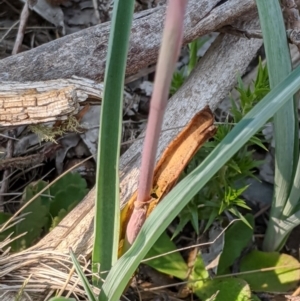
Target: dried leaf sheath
column 174, row 159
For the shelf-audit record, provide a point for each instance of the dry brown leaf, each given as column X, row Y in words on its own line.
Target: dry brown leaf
column 174, row 159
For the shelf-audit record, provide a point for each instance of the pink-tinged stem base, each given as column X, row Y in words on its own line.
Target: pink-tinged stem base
column 169, row 52
column 135, row 223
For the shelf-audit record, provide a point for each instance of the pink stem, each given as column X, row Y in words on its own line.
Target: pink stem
column 169, row 52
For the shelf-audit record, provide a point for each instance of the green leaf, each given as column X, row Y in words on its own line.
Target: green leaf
column 38, row 216
column 165, row 212
column 177, row 81
column 70, row 179
column 277, row 280
column 4, row 217
column 193, row 47
column 184, row 218
column 87, row 288
column 228, row 289
column 68, row 192
column 240, row 216
column 179, row 76
column 237, row 237
column 57, row 219
column 188, row 214
column 283, row 227
column 234, row 166
column 257, row 141
column 293, row 204
column 212, row 217
column 172, row 264
column 199, row 271
column 55, row 202
column 195, row 218
column 286, row 119
column 107, row 216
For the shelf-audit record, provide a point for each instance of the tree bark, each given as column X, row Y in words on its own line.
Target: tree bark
column 38, row 102
column 84, row 53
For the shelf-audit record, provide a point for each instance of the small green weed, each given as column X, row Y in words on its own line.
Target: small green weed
column 220, row 194
column 179, row 76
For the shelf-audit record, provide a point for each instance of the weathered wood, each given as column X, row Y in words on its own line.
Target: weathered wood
column 84, row 53
column 37, row 102
column 209, row 83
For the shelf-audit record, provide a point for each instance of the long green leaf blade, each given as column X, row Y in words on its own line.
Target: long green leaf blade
column 179, row 197
column 107, row 191
column 85, row 282
column 285, row 120
column 293, row 204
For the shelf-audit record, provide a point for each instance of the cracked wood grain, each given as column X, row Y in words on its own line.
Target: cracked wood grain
column 38, row 102
column 84, row 53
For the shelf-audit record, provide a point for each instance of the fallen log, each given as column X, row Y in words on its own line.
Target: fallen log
column 38, row 102
column 84, row 53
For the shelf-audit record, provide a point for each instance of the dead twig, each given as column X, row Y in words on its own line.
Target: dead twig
column 243, row 33
column 9, row 30
column 11, row 6
column 30, row 160
column 96, row 9
column 20, row 36
column 90, row 45
column 21, row 162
